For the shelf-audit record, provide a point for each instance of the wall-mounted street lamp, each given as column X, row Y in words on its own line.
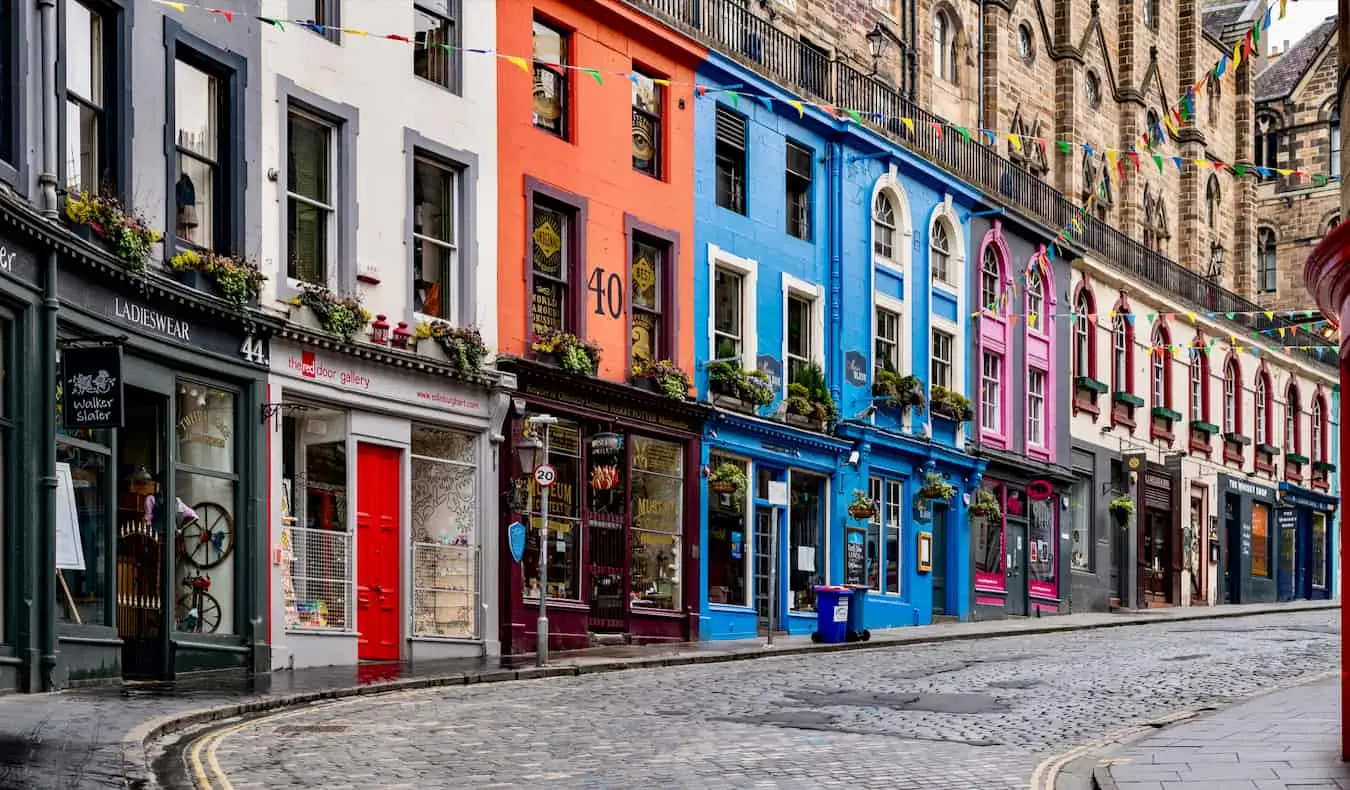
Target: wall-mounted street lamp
column 876, row 43
column 1216, row 257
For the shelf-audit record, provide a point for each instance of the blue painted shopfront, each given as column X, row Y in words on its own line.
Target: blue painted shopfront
column 827, row 277
column 1306, row 520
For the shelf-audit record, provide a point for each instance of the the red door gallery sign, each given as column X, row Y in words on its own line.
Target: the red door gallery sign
column 1040, row 489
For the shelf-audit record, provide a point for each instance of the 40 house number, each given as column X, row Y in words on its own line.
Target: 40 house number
column 252, row 350
column 608, row 291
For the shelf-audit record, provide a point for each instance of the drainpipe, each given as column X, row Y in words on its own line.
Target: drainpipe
column 46, row 576
column 979, row 72
column 833, row 338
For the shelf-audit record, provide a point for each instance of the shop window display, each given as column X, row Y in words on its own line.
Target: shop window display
column 564, row 522
column 989, row 541
column 444, row 533
column 1260, row 540
column 728, row 547
column 205, row 487
column 1080, row 506
column 1318, row 553
column 316, row 540
column 82, row 593
column 806, row 520
column 1041, row 553
column 658, row 498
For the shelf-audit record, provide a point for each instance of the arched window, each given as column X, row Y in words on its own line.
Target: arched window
column 1213, row 200
column 1262, row 408
column 1035, row 298
column 1266, row 266
column 1315, row 431
column 1121, row 356
column 1152, row 128
column 883, row 226
column 1156, row 230
column 1267, row 141
column 1160, row 371
column 940, row 246
column 945, row 46
column 1199, row 383
column 1232, row 391
column 1293, row 412
column 1084, row 335
column 1334, row 163
column 991, row 276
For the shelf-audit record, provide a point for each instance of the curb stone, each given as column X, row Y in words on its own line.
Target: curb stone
column 135, row 744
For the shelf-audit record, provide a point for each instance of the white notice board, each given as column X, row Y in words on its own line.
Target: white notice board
column 69, row 547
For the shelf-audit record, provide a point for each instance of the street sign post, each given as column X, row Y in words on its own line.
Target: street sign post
column 544, row 475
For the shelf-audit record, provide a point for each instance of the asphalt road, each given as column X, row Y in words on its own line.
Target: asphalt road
column 976, row 714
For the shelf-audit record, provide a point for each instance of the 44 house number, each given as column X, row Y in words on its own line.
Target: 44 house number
column 252, row 350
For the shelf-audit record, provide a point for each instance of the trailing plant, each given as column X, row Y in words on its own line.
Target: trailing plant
column 463, row 345
column 985, row 505
column 342, row 315
column 809, row 397
column 900, row 391
column 673, row 382
column 750, row 386
column 862, row 505
column 951, row 404
column 1121, row 505
column 935, row 486
column 125, row 232
column 238, row 280
column 728, row 477
column 574, row 355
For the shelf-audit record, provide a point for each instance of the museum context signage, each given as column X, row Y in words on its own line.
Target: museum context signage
column 351, row 375
column 91, row 387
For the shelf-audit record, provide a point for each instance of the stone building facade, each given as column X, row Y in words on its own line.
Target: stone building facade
column 1299, row 129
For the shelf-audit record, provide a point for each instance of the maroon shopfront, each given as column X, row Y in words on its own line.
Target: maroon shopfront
column 623, row 514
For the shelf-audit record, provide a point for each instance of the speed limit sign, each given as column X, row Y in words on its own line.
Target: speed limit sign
column 544, row 475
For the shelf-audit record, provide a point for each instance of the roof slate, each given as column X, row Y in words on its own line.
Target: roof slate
column 1279, row 79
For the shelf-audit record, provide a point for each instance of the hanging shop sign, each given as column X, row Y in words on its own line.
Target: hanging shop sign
column 606, row 443
column 855, row 368
column 515, row 539
column 1039, row 490
column 91, row 387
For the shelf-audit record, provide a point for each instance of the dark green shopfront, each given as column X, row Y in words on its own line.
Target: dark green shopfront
column 132, row 469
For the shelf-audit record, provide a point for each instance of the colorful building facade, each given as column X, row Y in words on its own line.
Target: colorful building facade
column 596, row 258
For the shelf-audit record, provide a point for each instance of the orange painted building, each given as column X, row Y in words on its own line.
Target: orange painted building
column 595, row 276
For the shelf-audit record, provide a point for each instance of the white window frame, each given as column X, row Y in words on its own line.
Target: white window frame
column 1231, row 387
column 334, row 187
column 956, row 258
column 748, row 268
column 1036, row 433
column 1196, row 379
column 1261, row 408
column 1315, row 431
column 992, row 422
column 902, row 240
column 888, row 307
column 955, row 289
column 1082, row 338
column 894, row 507
column 934, row 360
column 814, row 294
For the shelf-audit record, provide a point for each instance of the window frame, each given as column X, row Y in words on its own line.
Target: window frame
column 1034, row 374
column 565, row 125
column 1122, row 352
column 1334, row 140
column 1317, row 435
column 716, row 458
column 998, row 423
column 880, row 198
column 668, row 242
column 748, row 269
column 1293, row 419
column 115, row 137
column 346, row 122
column 331, row 26
column 1232, row 396
column 814, row 296
column 1267, row 260
column 1263, row 408
column 478, row 536
column 576, row 207
column 739, row 166
column 13, row 127
column 1084, row 356
column 1160, row 369
column 454, row 15
column 231, row 71
column 1198, row 382
column 658, row 169
column 941, row 226
column 934, row 360
column 805, row 224
column 465, row 164
column 879, row 339
column 332, row 221
column 1213, row 200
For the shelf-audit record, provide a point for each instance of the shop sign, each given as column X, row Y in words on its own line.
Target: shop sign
column 1290, row 497
column 855, row 556
column 1286, row 518
column 91, row 387
column 855, row 368
column 1234, row 485
column 923, row 511
column 606, row 443
column 613, row 409
column 1039, row 490
column 515, row 539
column 773, row 369
column 18, row 262
column 349, row 376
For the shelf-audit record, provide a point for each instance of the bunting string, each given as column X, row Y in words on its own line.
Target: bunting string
column 1115, row 159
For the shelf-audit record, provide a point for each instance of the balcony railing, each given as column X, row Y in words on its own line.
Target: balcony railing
column 729, row 27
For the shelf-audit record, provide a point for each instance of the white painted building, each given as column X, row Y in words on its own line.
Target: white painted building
column 1231, row 497
column 379, row 181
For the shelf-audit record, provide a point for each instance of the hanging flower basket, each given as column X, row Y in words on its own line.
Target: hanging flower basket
column 1121, row 507
column 935, row 486
column 985, row 505
column 727, row 478
column 861, row 507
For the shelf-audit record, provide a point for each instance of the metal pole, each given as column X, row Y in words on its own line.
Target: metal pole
column 541, row 627
column 773, row 577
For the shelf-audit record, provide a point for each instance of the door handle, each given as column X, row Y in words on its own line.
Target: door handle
column 377, row 588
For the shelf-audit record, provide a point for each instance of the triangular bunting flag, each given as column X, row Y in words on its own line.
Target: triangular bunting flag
column 796, row 105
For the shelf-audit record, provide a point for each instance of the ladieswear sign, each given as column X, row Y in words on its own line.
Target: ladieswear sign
column 91, row 387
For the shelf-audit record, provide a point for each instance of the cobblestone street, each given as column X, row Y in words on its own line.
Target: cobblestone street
column 972, row 714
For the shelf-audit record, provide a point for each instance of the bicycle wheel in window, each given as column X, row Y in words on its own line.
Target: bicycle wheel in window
column 204, row 618
column 209, row 539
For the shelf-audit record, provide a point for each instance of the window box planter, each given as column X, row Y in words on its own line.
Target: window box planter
column 1237, row 438
column 663, row 377
column 893, row 391
column 733, row 403
column 1269, row 449
column 735, row 388
column 236, row 280
column 1200, row 426
column 1295, row 458
column 1127, row 399
column 950, row 405
column 1089, row 384
column 569, row 352
column 1164, row 413
column 1323, row 466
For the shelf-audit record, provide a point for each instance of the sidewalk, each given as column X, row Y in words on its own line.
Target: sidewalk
column 97, row 737
column 1285, row 740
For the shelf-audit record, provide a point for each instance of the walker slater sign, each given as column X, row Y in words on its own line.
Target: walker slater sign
column 91, row 387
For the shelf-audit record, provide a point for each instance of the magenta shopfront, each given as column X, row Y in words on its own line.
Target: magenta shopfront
column 1019, row 557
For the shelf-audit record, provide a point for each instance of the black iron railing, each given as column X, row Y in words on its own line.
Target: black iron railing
column 731, row 28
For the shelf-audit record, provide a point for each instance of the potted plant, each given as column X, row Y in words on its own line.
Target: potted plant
column 809, row 402
column 897, row 391
column 1121, row 507
column 727, row 478
column 126, row 234
column 738, row 388
column 341, row 315
column 935, row 486
column 237, row 280
column 463, row 346
column 950, row 404
column 663, row 376
column 985, row 505
column 569, row 352
column 861, row 507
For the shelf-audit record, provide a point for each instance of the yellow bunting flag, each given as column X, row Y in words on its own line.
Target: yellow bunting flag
column 1016, row 142
column 796, row 105
column 516, row 60
column 1237, row 54
column 1284, row 6
column 179, row 7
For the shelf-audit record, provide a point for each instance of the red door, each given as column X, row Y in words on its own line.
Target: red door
column 378, row 577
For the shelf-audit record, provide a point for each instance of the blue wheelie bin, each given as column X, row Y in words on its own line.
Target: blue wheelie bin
column 831, row 614
column 856, row 607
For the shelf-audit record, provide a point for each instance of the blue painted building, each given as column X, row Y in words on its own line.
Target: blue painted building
column 823, row 253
